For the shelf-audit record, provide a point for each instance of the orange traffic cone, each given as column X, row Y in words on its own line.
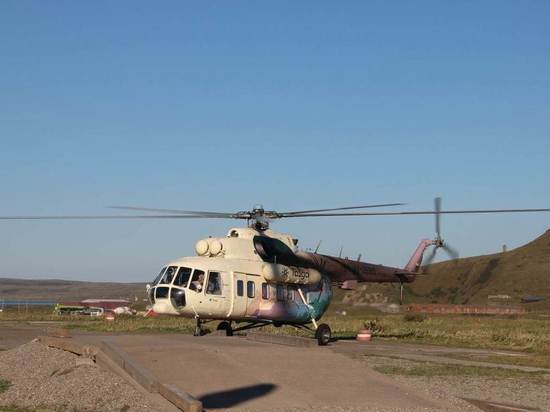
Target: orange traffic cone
column 364, row 335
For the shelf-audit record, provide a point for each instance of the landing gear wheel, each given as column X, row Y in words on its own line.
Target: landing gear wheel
column 226, row 326
column 323, row 334
column 198, row 328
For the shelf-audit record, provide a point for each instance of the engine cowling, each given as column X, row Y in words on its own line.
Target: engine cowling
column 277, row 273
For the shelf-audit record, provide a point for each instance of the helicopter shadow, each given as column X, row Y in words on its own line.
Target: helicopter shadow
column 232, row 397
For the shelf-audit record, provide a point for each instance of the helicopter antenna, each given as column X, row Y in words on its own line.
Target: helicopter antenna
column 318, row 246
column 341, row 250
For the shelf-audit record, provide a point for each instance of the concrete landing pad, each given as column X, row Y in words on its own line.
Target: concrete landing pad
column 226, row 372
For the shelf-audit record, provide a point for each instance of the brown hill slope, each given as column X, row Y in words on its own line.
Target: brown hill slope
column 67, row 290
column 519, row 272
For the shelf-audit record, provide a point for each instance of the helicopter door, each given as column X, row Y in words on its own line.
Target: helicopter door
column 252, row 300
column 217, row 293
column 238, row 296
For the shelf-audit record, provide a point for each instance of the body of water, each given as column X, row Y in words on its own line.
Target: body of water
column 5, row 303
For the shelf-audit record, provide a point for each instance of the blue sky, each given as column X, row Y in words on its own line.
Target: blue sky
column 221, row 105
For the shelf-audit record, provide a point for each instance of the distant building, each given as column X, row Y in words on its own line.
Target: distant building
column 106, row 304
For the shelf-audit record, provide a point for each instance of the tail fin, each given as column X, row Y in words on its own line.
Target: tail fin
column 416, row 258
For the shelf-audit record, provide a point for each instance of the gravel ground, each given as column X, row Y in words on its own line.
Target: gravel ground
column 47, row 377
column 343, row 409
column 452, row 388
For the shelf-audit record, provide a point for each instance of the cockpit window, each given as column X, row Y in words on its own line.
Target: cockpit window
column 159, row 276
column 169, row 274
column 183, row 276
column 214, row 286
column 197, row 281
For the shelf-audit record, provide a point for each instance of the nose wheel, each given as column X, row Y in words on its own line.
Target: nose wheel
column 323, row 334
column 199, row 331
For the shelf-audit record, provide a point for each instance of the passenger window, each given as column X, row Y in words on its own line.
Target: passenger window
column 169, row 275
column 183, row 276
column 290, row 292
column 197, row 281
column 250, row 289
column 280, row 292
column 265, row 291
column 214, row 286
column 313, row 293
column 240, row 288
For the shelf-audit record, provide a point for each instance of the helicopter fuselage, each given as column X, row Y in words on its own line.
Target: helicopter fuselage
column 259, row 276
column 235, row 289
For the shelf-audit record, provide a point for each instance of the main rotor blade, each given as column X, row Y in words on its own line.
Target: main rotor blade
column 284, row 214
column 172, row 211
column 111, row 217
column 452, row 252
column 422, row 212
column 437, row 208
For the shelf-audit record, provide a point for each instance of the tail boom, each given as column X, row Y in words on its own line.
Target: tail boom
column 416, row 259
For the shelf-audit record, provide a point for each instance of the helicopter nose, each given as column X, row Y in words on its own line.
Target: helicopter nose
column 163, row 306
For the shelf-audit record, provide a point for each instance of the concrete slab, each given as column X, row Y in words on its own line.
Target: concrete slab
column 227, row 372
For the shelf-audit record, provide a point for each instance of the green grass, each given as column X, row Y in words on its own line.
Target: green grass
column 39, row 313
column 523, row 333
column 4, row 385
column 137, row 324
column 436, row 370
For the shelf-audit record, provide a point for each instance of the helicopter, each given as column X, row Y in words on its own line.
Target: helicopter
column 255, row 276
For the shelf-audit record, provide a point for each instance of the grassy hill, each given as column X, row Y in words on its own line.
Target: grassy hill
column 519, row 272
column 67, row 290
column 516, row 273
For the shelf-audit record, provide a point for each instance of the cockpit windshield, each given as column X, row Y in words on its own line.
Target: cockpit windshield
column 182, row 278
column 185, row 277
column 159, row 276
column 169, row 275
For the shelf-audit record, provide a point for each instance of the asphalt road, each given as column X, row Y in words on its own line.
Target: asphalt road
column 237, row 373
column 233, row 372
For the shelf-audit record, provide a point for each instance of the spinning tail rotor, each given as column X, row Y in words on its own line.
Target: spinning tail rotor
column 438, row 242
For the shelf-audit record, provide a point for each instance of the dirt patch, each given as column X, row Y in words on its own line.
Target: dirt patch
column 47, row 377
column 440, row 382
